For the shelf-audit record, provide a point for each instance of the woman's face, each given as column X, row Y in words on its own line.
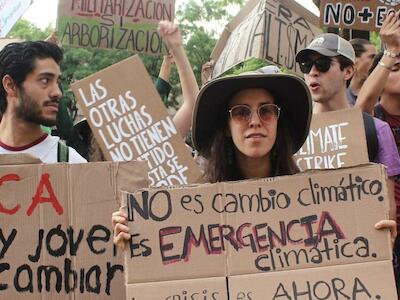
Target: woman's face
column 253, row 138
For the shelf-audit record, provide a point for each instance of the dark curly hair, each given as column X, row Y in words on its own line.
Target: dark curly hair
column 18, row 59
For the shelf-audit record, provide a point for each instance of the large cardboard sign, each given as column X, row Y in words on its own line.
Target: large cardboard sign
column 270, row 29
column 114, row 24
column 336, row 140
column 354, row 14
column 310, row 232
column 55, row 230
column 10, row 12
column 129, row 121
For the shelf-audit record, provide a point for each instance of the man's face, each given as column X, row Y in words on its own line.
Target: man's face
column 325, row 86
column 364, row 62
column 40, row 94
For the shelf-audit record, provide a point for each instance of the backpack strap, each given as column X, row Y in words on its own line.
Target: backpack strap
column 371, row 136
column 378, row 112
column 62, row 152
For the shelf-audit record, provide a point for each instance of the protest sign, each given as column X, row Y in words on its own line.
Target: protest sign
column 10, row 12
column 55, row 230
column 269, row 29
column 355, row 14
column 336, row 140
column 129, row 121
column 295, row 229
column 125, row 25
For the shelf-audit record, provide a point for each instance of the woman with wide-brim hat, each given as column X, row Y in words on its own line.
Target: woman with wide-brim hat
column 250, row 125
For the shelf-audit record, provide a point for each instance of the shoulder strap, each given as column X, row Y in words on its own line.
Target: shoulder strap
column 62, row 152
column 371, row 135
column 378, row 112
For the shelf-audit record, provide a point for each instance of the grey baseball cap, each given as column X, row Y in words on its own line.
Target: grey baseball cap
column 328, row 44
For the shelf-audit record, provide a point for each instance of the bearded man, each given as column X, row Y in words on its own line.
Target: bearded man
column 29, row 97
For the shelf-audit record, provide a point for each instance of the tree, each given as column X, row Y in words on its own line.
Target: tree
column 25, row 30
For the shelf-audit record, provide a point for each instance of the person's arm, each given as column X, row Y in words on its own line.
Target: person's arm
column 375, row 83
column 172, row 37
column 166, row 66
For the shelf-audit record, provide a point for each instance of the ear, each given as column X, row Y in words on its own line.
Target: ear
column 348, row 72
column 9, row 86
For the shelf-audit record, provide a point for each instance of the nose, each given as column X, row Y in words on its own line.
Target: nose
column 56, row 92
column 313, row 71
column 254, row 119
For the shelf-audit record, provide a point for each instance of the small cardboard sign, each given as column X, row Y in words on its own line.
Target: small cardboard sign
column 315, row 223
column 56, row 238
column 10, row 12
column 336, row 140
column 269, row 29
column 125, row 25
column 129, row 121
column 355, row 14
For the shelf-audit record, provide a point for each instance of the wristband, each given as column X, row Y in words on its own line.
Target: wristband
column 390, row 54
column 382, row 64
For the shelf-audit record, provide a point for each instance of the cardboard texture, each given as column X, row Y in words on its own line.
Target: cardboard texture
column 362, row 281
column 10, row 12
column 129, row 121
column 125, row 25
column 269, row 29
column 313, row 223
column 197, row 289
column 336, row 139
column 55, row 230
column 355, row 14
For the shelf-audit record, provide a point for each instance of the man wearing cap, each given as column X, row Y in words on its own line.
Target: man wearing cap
column 327, row 64
column 30, row 97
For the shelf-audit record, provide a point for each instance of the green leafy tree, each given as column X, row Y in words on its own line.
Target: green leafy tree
column 25, row 30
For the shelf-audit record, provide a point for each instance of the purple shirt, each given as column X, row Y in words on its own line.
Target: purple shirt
column 387, row 152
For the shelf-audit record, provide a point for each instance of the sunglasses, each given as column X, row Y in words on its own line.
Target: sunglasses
column 266, row 112
column 322, row 64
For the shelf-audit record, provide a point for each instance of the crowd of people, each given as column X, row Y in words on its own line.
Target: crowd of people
column 243, row 127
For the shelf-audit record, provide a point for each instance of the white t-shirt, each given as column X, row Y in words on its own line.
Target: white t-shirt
column 45, row 149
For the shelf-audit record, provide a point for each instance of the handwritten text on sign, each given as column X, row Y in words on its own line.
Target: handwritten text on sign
column 129, row 122
column 273, row 31
column 294, row 222
column 52, row 244
column 113, row 24
column 353, row 14
column 336, row 139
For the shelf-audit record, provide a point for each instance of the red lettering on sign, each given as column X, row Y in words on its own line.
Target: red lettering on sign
column 12, row 211
column 45, row 182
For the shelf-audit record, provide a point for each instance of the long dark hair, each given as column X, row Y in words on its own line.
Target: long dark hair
column 221, row 163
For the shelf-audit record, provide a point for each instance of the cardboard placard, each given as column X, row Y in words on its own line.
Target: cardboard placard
column 55, row 230
column 129, row 121
column 270, row 29
column 10, row 12
column 354, row 14
column 114, row 24
column 336, row 140
column 290, row 225
column 214, row 288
